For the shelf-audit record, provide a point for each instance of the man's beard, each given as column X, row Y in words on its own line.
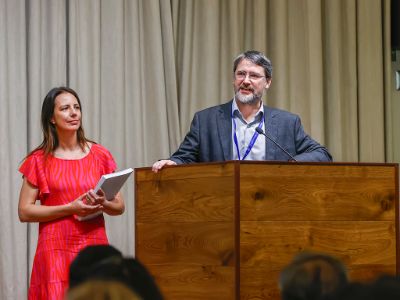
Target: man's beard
column 248, row 99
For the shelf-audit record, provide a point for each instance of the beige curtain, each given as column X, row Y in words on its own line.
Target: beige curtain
column 143, row 67
column 14, row 238
column 121, row 61
column 327, row 57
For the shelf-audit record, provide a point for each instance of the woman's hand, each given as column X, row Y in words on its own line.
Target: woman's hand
column 93, row 198
column 85, row 205
column 92, row 202
column 111, row 207
column 114, row 206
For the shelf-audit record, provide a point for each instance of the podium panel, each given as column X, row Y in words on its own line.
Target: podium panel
column 185, row 229
column 225, row 230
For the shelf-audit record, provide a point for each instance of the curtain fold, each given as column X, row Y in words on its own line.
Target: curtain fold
column 142, row 68
column 14, row 250
column 340, row 78
column 370, row 85
column 122, row 64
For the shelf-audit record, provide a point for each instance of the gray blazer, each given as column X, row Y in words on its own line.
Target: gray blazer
column 210, row 137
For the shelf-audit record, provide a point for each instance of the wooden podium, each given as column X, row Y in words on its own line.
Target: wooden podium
column 225, row 230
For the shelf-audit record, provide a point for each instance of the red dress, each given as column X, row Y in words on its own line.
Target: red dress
column 59, row 182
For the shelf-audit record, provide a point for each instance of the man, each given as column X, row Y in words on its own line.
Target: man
column 229, row 131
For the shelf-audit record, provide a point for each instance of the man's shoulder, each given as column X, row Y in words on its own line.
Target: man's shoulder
column 272, row 112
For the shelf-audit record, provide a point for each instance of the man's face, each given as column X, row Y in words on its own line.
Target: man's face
column 249, row 82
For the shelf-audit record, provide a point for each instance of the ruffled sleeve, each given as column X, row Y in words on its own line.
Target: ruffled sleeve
column 105, row 158
column 33, row 170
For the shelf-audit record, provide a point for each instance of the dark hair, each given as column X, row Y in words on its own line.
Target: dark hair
column 50, row 138
column 102, row 290
column 81, row 267
column 312, row 276
column 385, row 287
column 354, row 291
column 257, row 58
column 104, row 262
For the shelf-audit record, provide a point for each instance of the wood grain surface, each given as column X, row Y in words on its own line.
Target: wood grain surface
column 224, row 231
column 185, row 230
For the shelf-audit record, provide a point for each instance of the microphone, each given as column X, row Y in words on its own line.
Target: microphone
column 260, row 131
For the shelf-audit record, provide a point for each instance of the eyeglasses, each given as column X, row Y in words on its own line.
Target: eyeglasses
column 241, row 75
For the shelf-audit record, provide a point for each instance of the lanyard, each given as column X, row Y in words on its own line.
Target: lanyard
column 252, row 141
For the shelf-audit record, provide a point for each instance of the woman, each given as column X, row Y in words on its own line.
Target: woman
column 61, row 173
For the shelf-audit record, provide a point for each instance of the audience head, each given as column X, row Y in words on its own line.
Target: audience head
column 88, row 260
column 385, row 287
column 312, row 276
column 101, row 290
column 104, row 262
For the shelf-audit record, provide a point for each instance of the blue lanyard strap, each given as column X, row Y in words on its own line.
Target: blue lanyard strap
column 252, row 141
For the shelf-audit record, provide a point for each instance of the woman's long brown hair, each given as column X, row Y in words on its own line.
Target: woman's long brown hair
column 50, row 139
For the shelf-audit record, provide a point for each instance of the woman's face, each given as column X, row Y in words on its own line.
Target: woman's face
column 67, row 113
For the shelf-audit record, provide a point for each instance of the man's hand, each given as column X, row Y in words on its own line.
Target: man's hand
column 158, row 165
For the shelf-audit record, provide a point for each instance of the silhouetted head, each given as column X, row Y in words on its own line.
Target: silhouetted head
column 385, row 287
column 311, row 276
column 104, row 262
column 88, row 260
column 101, row 290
